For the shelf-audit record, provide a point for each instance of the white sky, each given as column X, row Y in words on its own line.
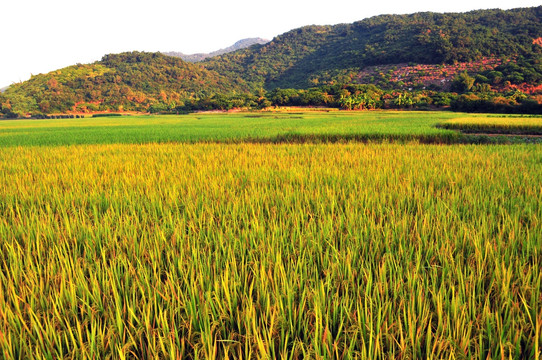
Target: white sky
column 38, row 36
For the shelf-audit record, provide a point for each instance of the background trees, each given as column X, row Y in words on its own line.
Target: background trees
column 463, row 83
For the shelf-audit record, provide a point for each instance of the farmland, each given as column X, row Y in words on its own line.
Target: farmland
column 258, row 127
column 497, row 125
column 236, row 127
column 209, row 235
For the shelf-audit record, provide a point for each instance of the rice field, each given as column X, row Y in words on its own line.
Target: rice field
column 514, row 125
column 259, row 250
column 266, row 127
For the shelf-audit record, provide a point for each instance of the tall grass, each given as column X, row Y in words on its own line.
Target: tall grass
column 238, row 127
column 270, row 251
column 270, row 127
column 530, row 125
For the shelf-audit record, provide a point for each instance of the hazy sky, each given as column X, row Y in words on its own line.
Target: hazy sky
column 39, row 36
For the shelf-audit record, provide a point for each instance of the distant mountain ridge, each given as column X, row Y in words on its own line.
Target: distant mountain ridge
column 3, row 89
column 241, row 44
column 318, row 54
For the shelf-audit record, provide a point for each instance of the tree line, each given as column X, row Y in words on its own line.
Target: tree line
column 346, row 97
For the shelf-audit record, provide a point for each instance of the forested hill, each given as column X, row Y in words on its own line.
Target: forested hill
column 312, row 54
column 500, row 48
column 127, row 81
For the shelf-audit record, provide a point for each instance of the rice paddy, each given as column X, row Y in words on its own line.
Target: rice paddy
column 141, row 249
column 272, row 127
column 513, row 125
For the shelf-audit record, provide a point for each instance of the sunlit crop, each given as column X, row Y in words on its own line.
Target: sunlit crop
column 531, row 125
column 271, row 251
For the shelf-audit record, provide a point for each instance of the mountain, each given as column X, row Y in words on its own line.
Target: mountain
column 241, row 44
column 500, row 50
column 4, row 89
column 314, row 54
column 128, row 81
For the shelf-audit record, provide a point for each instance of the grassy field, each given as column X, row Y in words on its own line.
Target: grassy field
column 251, row 250
column 267, row 127
column 528, row 125
column 256, row 127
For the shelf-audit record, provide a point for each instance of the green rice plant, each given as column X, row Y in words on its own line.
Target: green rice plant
column 264, row 127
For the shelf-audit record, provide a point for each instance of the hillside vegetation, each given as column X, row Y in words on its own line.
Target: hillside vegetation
column 306, row 56
column 127, row 81
column 494, row 54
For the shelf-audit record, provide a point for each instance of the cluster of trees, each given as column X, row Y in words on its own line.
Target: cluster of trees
column 512, row 103
column 214, row 102
column 6, row 108
column 362, row 97
column 469, row 96
column 526, row 69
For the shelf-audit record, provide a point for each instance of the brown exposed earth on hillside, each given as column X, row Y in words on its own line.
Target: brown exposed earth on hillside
column 414, row 76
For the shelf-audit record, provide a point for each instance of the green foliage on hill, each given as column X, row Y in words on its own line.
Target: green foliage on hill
column 2, row 101
column 312, row 54
column 127, row 81
column 524, row 70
